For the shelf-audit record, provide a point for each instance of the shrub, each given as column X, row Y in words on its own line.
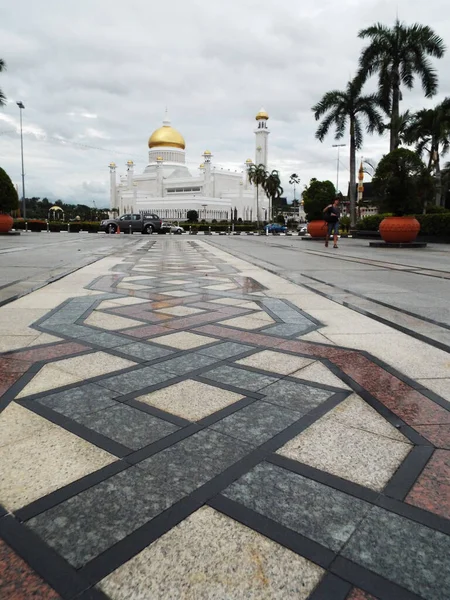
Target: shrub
column 9, row 200
column 192, row 216
column 437, row 224
column 345, row 223
column 371, row 222
column 316, row 197
column 432, row 209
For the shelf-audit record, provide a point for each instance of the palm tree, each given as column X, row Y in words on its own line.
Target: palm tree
column 257, row 175
column 350, row 108
column 294, row 180
column 398, row 54
column 2, row 95
column 429, row 129
column 273, row 189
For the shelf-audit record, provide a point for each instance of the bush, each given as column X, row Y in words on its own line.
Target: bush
column 432, row 209
column 316, row 197
column 370, row 223
column 437, row 224
column 192, row 216
column 9, row 200
column 345, row 223
column 55, row 226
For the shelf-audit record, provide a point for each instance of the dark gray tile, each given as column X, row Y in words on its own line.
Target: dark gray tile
column 226, row 350
column 186, row 363
column 195, row 460
column 316, row 511
column 128, row 426
column 240, row 378
column 296, row 396
column 285, row 329
column 403, row 551
column 93, row 521
column 135, row 380
column 257, row 423
column 106, row 340
column 144, row 351
column 80, row 400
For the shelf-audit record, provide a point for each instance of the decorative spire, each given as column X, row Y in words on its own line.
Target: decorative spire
column 166, row 121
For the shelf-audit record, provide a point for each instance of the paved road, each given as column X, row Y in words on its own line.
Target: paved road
column 409, row 289
column 31, row 260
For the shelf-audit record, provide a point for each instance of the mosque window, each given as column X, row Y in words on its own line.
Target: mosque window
column 183, row 189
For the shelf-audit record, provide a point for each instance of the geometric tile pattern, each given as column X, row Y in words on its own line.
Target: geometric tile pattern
column 184, row 441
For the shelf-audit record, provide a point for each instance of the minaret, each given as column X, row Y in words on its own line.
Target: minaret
column 112, row 185
column 248, row 164
column 262, row 139
column 207, row 162
column 130, row 170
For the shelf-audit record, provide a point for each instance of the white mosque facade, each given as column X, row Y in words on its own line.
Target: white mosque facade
column 168, row 188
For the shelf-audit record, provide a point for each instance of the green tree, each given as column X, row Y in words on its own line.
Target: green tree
column 349, row 108
column 257, row 175
column 294, row 180
column 429, row 129
column 398, row 54
column 316, row 197
column 2, row 95
column 192, row 216
column 9, row 200
column 402, row 183
column 273, row 189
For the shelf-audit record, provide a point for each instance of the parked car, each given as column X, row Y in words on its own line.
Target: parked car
column 171, row 228
column 302, row 229
column 275, row 228
column 133, row 223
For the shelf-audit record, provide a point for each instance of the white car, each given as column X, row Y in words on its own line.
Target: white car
column 170, row 228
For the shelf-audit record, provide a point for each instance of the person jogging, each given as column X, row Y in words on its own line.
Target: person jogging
column 332, row 216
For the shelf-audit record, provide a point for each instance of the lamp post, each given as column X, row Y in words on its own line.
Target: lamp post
column 24, row 208
column 338, row 146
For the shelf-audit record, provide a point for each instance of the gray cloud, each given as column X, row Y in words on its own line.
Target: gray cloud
column 95, row 78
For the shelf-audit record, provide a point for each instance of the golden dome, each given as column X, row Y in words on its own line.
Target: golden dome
column 166, row 136
column 202, row 166
column 207, row 152
column 262, row 115
column 249, row 161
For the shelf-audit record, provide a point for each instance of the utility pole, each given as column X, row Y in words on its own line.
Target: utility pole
column 24, row 208
column 338, row 146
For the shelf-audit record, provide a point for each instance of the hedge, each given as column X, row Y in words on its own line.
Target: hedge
column 41, row 225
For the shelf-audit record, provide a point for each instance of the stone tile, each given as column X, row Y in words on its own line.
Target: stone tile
column 18, row 581
column 317, row 372
column 316, row 511
column 87, row 524
column 135, row 380
column 439, row 435
column 287, row 329
column 357, row 594
column 93, row 365
column 78, row 401
column 190, row 399
column 296, row 396
column 144, row 351
column 225, row 350
column 358, row 455
column 184, row 340
column 110, row 322
column 192, row 462
column 245, row 322
column 231, row 301
column 131, row 286
column 439, row 386
column 106, row 340
column 179, row 311
column 231, row 561
column 257, row 423
column 18, row 423
column 182, row 365
column 175, row 281
column 127, row 301
column 128, row 426
column 241, row 378
column 432, row 490
column 179, row 294
column 222, row 286
column 48, row 378
column 44, row 462
column 278, row 362
column 404, row 552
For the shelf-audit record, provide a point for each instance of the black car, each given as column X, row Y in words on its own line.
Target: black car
column 133, row 223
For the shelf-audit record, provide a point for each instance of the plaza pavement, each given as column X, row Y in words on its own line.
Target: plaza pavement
column 179, row 423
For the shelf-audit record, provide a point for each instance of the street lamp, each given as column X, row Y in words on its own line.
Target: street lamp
column 24, row 208
column 338, row 146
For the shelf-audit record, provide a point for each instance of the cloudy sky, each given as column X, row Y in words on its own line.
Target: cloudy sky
column 95, row 77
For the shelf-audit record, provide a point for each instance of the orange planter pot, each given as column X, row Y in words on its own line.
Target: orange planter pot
column 6, row 223
column 317, row 229
column 399, row 230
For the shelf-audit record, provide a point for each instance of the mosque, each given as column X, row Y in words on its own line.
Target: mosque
column 168, row 188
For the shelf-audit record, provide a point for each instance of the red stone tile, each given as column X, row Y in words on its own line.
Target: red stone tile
column 7, row 380
column 439, row 435
column 357, row 594
column 432, row 489
column 51, row 351
column 18, row 581
column 12, row 365
column 257, row 339
column 146, row 331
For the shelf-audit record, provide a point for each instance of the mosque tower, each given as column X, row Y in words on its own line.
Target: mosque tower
column 262, row 139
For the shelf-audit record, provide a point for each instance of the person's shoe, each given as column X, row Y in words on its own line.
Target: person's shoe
column 326, row 244
column 335, row 246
